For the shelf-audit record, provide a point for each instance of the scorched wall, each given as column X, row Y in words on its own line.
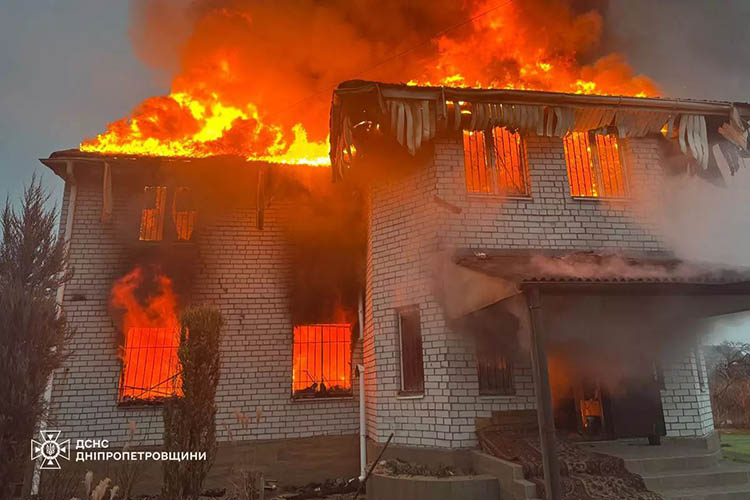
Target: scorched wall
column 243, row 271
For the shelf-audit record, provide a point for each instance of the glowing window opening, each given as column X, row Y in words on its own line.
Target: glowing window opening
column 150, row 367
column 152, row 217
column 496, row 164
column 183, row 213
column 595, row 168
column 321, row 362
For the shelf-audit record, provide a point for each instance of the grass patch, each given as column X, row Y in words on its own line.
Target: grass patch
column 735, row 444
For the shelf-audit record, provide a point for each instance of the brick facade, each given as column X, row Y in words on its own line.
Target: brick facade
column 410, row 225
column 685, row 397
column 243, row 272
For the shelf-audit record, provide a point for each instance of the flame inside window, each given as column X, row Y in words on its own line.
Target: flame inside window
column 152, row 216
column 183, row 213
column 594, row 166
column 150, row 364
column 496, row 163
column 322, row 361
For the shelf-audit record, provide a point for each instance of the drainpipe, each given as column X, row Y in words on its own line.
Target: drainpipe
column 544, row 411
column 362, row 425
column 362, row 413
column 47, row 397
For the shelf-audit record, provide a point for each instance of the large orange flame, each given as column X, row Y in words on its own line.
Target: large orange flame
column 157, row 310
column 254, row 76
column 151, row 329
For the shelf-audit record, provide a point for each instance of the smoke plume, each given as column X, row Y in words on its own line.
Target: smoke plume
column 702, row 221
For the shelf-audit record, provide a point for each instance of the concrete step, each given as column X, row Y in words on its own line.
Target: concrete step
column 721, row 474
column 738, row 492
column 687, row 461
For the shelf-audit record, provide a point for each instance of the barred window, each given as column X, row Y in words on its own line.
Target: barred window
column 496, row 163
column 410, row 335
column 595, row 169
column 149, row 365
column 152, row 215
column 494, row 369
column 322, row 360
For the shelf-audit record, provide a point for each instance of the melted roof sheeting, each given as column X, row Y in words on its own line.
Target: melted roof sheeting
column 414, row 115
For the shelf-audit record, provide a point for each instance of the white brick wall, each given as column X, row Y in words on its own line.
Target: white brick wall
column 685, row 397
column 408, row 228
column 244, row 273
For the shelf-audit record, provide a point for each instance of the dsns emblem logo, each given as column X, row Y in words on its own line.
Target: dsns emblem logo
column 50, row 449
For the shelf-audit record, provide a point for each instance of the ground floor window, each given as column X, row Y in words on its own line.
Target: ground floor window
column 494, row 369
column 412, row 364
column 150, row 369
column 322, row 361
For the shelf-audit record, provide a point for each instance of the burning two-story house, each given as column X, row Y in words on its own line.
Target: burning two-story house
column 483, row 260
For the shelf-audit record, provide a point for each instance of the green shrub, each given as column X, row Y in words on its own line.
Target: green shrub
column 189, row 420
column 32, row 332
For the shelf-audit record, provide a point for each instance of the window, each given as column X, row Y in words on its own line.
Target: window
column 493, row 367
column 149, row 365
column 410, row 334
column 594, row 165
column 496, row 163
column 322, row 361
column 152, row 216
column 183, row 213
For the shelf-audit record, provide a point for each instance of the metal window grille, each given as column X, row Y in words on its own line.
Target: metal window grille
column 496, row 163
column 322, row 360
column 150, row 367
column 412, row 365
column 595, row 167
column 183, row 213
column 152, row 217
column 495, row 371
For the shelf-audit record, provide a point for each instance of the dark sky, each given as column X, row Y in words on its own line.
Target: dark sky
column 67, row 68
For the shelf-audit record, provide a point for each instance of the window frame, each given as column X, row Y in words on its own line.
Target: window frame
column 185, row 218
column 315, row 395
column 160, row 194
column 596, row 169
column 173, row 363
column 401, row 313
column 508, row 389
column 491, row 157
column 173, row 213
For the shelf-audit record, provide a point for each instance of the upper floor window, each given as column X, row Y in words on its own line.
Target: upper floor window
column 410, row 336
column 595, row 168
column 322, row 361
column 495, row 162
column 154, row 223
column 152, row 215
column 183, row 213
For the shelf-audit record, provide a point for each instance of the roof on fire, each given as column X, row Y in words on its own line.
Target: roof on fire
column 57, row 160
column 413, row 115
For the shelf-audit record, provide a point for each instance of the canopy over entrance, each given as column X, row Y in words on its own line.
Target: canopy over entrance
column 610, row 307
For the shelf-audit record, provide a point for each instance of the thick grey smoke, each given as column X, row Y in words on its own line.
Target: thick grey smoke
column 702, row 221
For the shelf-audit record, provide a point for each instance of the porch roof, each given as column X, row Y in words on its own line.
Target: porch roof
column 555, row 268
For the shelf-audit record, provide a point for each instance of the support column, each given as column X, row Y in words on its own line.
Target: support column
column 544, row 411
